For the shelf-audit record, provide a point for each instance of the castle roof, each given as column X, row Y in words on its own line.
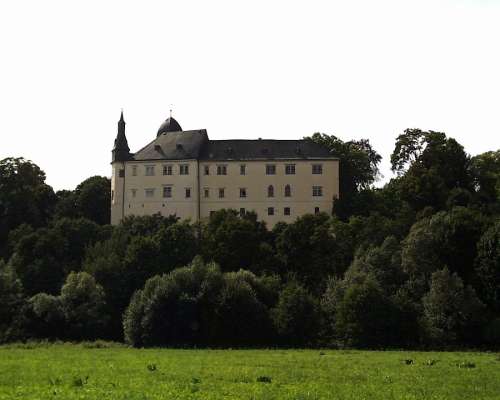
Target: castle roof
column 263, row 149
column 174, row 146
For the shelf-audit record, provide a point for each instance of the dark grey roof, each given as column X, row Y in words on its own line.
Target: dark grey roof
column 169, row 125
column 174, row 146
column 263, row 149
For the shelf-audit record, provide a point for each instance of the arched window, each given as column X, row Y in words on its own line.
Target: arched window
column 270, row 191
column 288, row 191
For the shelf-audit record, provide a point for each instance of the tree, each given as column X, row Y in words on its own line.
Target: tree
column 358, row 170
column 42, row 258
column 430, row 166
column 91, row 200
column 11, row 302
column 24, row 197
column 485, row 170
column 365, row 316
column 84, row 307
column 452, row 312
column 448, row 238
column 236, row 242
column 168, row 310
column 296, row 315
column 198, row 305
column 137, row 250
column 43, row 317
column 383, row 262
column 308, row 249
column 241, row 318
column 487, row 265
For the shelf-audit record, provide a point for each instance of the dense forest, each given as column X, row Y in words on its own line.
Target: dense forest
column 415, row 263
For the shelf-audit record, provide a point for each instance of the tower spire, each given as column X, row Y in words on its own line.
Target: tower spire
column 121, row 151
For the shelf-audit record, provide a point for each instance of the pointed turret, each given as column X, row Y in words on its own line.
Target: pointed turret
column 121, row 151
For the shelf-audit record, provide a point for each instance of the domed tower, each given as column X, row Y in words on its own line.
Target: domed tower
column 120, row 154
column 170, row 125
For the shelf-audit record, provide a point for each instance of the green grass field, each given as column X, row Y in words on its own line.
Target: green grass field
column 76, row 372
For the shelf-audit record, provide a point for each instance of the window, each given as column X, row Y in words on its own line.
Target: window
column 270, row 191
column 270, row 211
column 167, row 170
column 134, row 192
column 288, row 191
column 150, row 193
column 221, row 193
column 290, row 169
column 206, row 168
column 167, row 191
column 286, row 211
column 112, row 195
column 243, row 169
column 206, row 193
column 316, row 210
column 270, row 169
column 184, row 169
column 121, row 173
column 317, row 169
column 150, row 170
column 134, row 170
column 222, row 169
column 242, row 212
column 188, row 193
column 212, row 213
column 243, row 192
column 317, row 191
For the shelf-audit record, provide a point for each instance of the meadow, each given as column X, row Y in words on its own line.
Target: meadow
column 82, row 371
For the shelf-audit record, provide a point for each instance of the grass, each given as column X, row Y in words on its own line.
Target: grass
column 64, row 371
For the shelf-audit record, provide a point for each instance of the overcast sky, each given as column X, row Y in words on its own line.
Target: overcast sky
column 270, row 69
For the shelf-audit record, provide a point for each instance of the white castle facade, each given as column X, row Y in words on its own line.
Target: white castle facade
column 187, row 174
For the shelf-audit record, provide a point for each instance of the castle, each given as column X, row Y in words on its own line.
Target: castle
column 187, row 174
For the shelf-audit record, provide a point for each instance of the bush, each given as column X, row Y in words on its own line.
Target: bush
column 451, row 312
column 198, row 305
column 365, row 316
column 296, row 315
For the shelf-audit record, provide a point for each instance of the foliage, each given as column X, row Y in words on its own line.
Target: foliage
column 196, row 304
column 44, row 257
column 430, row 165
column 90, row 200
column 235, row 242
column 452, row 312
column 365, row 316
column 488, row 266
column 307, row 248
column 296, row 315
column 11, row 302
column 25, row 198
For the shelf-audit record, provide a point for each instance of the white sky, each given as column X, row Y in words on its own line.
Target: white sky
column 239, row 69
